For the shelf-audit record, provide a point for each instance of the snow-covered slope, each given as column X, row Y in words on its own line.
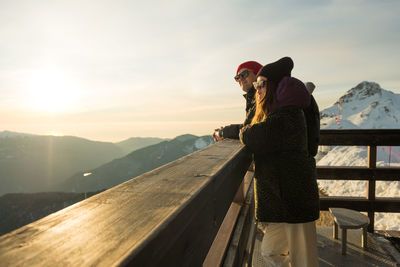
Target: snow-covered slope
column 366, row 106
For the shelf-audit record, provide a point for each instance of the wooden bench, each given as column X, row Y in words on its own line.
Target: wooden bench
column 349, row 219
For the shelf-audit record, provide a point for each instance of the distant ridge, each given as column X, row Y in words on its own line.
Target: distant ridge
column 35, row 163
column 32, row 163
column 136, row 143
column 13, row 134
column 135, row 163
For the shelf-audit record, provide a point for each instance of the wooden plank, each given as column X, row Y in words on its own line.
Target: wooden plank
column 237, row 248
column 371, row 157
column 371, row 184
column 241, row 194
column 220, row 244
column 361, row 204
column 358, row 173
column 386, row 137
column 248, row 258
column 166, row 217
column 387, row 204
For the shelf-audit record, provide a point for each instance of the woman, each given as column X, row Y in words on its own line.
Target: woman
column 286, row 192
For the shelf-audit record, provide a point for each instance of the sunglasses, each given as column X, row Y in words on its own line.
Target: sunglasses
column 242, row 75
column 260, row 84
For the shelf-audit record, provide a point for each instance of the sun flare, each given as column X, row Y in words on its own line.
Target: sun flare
column 51, row 91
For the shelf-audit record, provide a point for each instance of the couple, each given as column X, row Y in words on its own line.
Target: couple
column 281, row 130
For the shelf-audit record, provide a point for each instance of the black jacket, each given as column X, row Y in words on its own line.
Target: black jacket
column 285, row 175
column 232, row 131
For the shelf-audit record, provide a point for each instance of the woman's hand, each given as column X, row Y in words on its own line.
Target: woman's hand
column 241, row 133
column 244, row 128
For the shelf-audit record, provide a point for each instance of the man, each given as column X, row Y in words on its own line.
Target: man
column 245, row 76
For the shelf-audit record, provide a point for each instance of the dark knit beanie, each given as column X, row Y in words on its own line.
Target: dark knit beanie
column 277, row 70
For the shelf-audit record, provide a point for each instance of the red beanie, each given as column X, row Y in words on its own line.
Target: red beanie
column 251, row 65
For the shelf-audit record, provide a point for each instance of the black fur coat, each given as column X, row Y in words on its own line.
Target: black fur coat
column 285, row 175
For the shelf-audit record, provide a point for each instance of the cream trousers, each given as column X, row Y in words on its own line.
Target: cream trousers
column 286, row 244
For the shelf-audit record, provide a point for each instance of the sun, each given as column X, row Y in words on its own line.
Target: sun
column 51, row 90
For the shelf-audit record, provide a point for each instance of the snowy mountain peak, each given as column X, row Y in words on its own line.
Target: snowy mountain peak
column 366, row 106
column 361, row 91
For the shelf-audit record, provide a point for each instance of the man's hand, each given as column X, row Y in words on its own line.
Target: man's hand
column 216, row 135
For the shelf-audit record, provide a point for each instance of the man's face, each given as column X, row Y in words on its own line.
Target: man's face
column 245, row 79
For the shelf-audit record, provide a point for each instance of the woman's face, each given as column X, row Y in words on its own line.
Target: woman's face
column 261, row 87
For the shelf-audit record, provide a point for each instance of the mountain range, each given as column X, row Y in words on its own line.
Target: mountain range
column 35, row 163
column 135, row 163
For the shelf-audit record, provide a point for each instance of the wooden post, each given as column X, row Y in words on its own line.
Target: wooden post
column 371, row 184
column 344, row 240
column 364, row 238
column 335, row 230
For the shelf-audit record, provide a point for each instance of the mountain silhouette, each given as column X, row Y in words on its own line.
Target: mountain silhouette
column 34, row 163
column 135, row 163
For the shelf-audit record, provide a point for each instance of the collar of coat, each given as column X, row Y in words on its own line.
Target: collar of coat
column 250, row 100
column 250, row 94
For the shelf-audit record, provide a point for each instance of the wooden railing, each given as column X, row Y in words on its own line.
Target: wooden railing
column 166, row 217
column 370, row 173
column 193, row 211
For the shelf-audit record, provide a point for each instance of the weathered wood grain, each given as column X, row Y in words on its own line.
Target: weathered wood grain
column 361, row 204
column 216, row 254
column 151, row 220
column 384, row 137
column 237, row 248
column 371, row 184
column 358, row 173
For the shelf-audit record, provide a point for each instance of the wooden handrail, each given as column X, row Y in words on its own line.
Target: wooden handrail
column 358, row 173
column 380, row 204
column 166, row 217
column 384, row 137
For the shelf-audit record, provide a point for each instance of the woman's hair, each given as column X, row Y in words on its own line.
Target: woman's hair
column 266, row 105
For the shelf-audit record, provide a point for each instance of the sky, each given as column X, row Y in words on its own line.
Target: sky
column 111, row 70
